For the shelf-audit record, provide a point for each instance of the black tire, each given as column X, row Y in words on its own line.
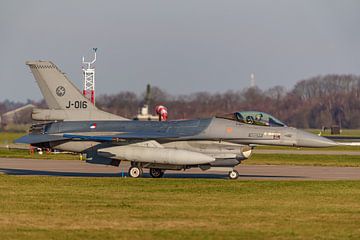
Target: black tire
column 233, row 175
column 135, row 172
column 156, row 172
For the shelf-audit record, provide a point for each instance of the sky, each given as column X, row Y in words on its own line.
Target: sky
column 180, row 46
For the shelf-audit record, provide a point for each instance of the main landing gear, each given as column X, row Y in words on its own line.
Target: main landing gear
column 156, row 172
column 233, row 174
column 136, row 172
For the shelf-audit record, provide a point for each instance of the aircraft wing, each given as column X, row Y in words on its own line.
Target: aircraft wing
column 40, row 138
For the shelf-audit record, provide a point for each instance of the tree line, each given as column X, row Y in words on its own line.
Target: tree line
column 312, row 103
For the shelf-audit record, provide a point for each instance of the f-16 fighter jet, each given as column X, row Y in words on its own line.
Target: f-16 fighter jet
column 215, row 143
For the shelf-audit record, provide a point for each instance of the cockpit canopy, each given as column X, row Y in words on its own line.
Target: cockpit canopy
column 253, row 118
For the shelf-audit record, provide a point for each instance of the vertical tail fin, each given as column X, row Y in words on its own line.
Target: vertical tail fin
column 64, row 100
column 58, row 91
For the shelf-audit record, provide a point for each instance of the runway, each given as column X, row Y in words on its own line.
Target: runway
column 73, row 168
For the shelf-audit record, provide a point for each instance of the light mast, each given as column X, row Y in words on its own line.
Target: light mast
column 89, row 78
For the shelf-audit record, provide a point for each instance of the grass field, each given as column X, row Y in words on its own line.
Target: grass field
column 338, row 148
column 304, row 160
column 118, row 208
column 344, row 132
column 18, row 153
column 9, row 137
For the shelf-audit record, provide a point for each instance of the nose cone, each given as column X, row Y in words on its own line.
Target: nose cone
column 305, row 139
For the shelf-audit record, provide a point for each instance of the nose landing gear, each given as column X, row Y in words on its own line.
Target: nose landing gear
column 233, row 175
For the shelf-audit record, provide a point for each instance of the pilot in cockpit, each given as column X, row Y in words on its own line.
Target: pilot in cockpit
column 258, row 117
column 253, row 118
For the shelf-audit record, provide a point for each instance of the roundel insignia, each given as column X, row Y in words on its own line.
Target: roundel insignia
column 60, row 91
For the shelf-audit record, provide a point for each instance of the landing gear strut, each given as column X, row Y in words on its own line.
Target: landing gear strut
column 156, row 172
column 233, row 174
column 135, row 172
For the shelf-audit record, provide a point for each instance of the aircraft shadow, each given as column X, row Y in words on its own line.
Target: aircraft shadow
column 9, row 171
column 26, row 172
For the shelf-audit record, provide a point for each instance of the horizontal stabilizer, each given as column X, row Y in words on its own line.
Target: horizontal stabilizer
column 38, row 138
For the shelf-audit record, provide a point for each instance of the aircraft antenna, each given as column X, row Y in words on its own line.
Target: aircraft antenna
column 89, row 78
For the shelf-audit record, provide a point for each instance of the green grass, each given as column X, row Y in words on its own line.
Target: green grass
column 344, row 132
column 338, row 148
column 118, row 208
column 9, row 137
column 304, row 160
column 18, row 153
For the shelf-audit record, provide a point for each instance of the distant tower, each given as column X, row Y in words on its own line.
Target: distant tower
column 148, row 95
column 252, row 80
column 89, row 78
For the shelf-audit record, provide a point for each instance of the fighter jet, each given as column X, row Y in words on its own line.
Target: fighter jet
column 216, row 143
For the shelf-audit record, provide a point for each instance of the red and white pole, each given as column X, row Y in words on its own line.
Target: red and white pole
column 162, row 112
column 89, row 78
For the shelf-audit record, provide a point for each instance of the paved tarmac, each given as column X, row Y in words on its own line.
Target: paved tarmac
column 73, row 168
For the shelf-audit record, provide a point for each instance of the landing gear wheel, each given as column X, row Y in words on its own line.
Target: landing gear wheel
column 135, row 172
column 156, row 172
column 233, row 174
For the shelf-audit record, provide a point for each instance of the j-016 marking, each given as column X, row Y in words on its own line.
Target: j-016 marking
column 77, row 104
